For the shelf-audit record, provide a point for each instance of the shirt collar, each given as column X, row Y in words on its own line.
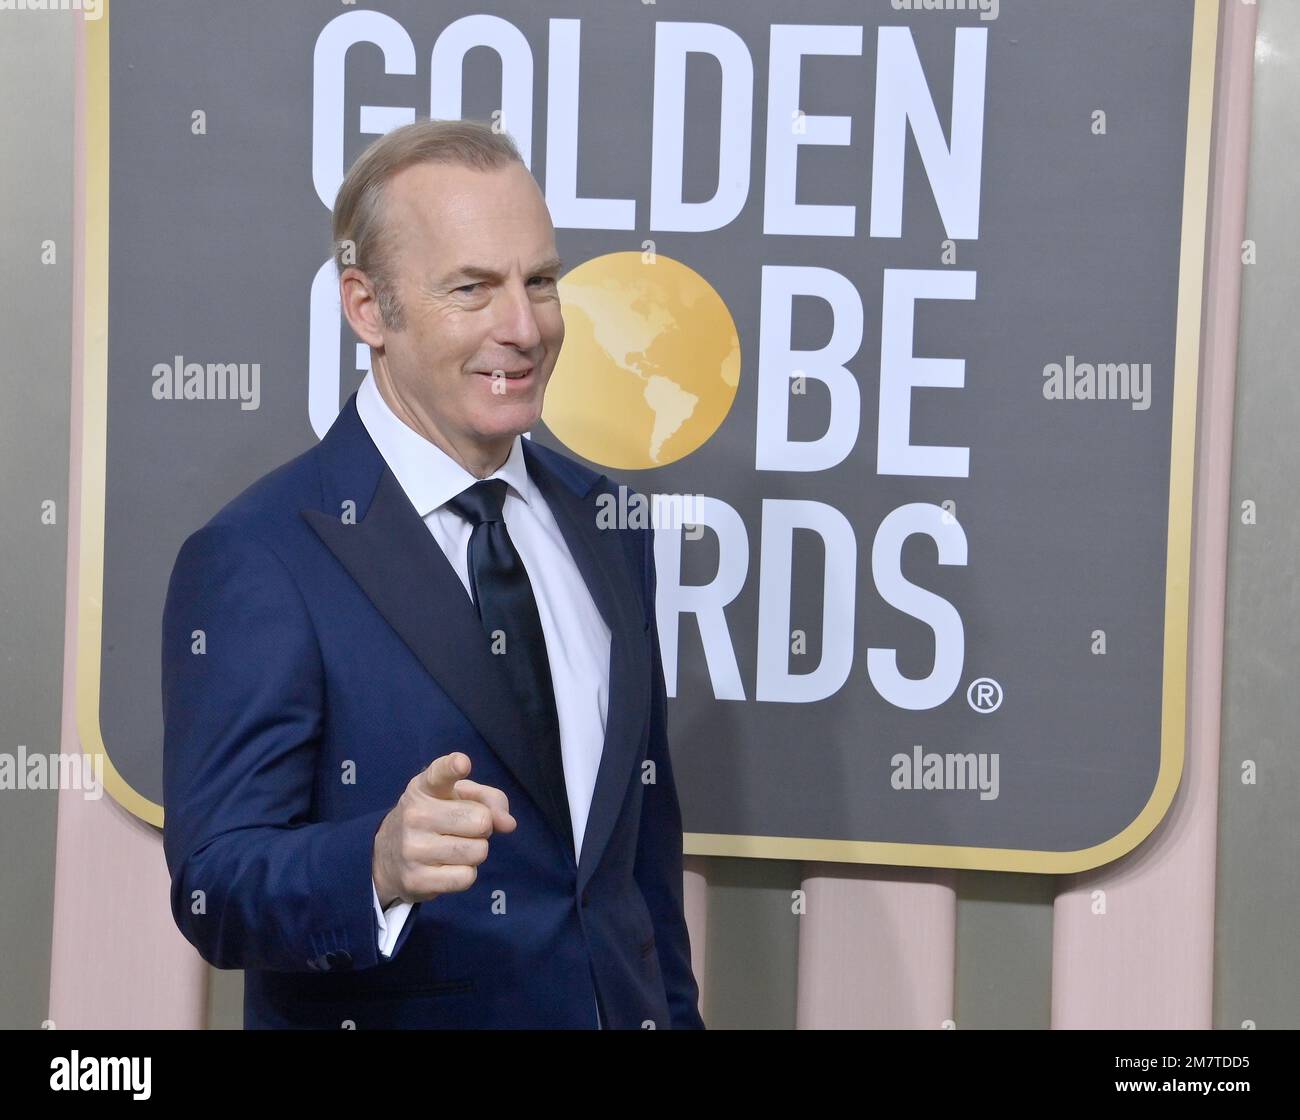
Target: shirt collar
column 428, row 475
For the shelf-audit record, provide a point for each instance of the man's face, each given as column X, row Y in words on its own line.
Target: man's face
column 476, row 275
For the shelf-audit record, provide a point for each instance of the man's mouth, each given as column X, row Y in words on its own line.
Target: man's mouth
column 507, row 374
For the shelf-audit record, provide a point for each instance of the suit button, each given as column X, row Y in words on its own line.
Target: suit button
column 339, row 959
column 586, row 897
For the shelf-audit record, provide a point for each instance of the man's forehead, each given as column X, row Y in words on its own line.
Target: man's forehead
column 450, row 203
column 452, row 184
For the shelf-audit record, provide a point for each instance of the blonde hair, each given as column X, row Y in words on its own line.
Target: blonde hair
column 359, row 223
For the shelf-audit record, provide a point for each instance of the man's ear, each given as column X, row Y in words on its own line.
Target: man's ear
column 360, row 306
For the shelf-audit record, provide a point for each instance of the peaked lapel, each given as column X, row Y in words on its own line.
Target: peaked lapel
column 394, row 559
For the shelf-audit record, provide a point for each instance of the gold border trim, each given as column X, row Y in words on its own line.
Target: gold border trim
column 90, row 578
column 1200, row 107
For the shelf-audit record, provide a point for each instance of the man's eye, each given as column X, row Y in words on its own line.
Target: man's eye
column 545, row 279
column 467, row 287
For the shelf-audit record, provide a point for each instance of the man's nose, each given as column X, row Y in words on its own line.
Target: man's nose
column 517, row 317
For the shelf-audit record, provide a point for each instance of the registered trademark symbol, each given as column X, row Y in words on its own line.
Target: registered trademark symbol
column 984, row 695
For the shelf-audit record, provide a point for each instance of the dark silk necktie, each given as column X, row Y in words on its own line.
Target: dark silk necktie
column 507, row 608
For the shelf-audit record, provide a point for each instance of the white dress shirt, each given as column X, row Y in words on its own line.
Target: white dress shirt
column 577, row 639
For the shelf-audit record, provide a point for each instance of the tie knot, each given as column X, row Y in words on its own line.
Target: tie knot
column 480, row 502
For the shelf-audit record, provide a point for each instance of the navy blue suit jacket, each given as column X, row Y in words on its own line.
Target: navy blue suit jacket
column 338, row 656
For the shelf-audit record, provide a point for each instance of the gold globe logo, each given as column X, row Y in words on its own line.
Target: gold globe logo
column 650, row 363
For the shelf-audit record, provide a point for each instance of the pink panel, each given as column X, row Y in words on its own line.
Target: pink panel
column 696, row 898
column 1147, row 960
column 876, row 948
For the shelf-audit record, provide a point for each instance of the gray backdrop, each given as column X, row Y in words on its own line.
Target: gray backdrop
column 215, row 240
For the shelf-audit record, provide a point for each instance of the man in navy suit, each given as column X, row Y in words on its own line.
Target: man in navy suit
column 423, row 596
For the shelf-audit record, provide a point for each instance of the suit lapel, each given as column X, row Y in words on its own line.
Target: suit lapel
column 394, row 559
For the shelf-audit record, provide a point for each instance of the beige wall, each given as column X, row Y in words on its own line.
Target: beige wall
column 1257, row 969
column 36, row 104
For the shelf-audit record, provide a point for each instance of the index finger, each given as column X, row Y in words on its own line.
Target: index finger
column 440, row 777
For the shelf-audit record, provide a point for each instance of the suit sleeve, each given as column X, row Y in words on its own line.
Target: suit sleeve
column 658, row 867
column 255, row 882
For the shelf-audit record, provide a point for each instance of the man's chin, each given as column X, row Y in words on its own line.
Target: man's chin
column 510, row 420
